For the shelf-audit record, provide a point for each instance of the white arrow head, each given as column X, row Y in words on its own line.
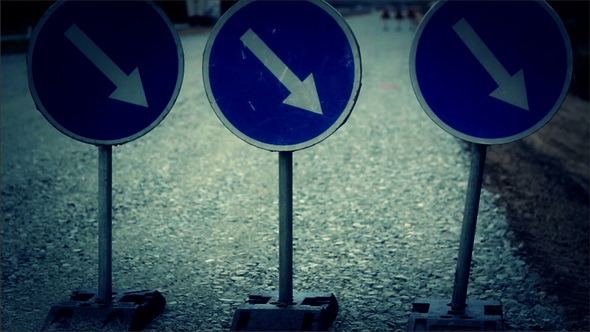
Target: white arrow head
column 130, row 89
column 304, row 95
column 512, row 90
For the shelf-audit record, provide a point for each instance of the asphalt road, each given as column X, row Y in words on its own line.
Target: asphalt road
column 378, row 209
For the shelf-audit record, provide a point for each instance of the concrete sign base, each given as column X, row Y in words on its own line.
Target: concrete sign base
column 128, row 311
column 309, row 312
column 436, row 315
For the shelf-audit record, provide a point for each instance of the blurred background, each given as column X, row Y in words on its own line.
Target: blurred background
column 19, row 17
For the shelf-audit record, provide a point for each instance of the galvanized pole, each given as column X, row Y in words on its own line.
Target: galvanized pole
column 285, row 228
column 105, row 236
column 478, row 156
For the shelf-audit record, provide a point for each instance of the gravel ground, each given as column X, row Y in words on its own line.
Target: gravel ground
column 378, row 208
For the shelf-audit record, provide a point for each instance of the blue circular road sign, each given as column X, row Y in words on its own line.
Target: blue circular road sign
column 105, row 72
column 491, row 72
column 282, row 75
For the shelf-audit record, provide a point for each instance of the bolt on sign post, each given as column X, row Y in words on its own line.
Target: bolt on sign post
column 105, row 73
column 283, row 76
column 485, row 75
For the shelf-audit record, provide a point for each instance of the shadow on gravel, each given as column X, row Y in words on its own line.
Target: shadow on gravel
column 543, row 183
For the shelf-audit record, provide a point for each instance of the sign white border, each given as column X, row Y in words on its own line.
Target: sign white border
column 341, row 119
column 475, row 139
column 56, row 124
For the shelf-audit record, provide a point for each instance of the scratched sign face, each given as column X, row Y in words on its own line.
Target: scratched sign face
column 105, row 72
column 484, row 74
column 282, row 75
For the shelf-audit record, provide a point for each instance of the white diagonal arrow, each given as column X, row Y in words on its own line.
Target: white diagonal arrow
column 511, row 88
column 304, row 94
column 129, row 87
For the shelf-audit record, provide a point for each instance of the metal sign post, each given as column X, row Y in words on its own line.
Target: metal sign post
column 105, row 224
column 285, row 310
column 478, row 157
column 285, row 228
column 437, row 314
column 104, row 307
